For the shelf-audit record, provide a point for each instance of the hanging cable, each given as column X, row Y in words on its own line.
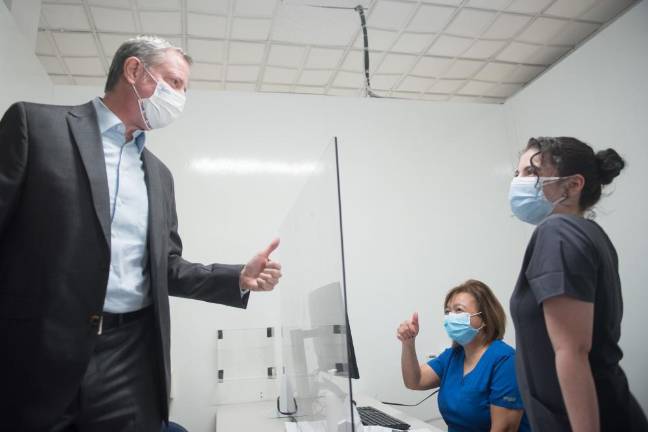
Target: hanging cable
column 416, row 404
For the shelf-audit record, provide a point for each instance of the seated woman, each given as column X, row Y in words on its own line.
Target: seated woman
column 478, row 390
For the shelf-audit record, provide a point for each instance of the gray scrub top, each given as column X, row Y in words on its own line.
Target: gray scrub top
column 572, row 256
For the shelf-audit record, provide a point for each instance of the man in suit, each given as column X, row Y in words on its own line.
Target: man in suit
column 89, row 253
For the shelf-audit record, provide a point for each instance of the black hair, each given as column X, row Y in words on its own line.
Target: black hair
column 571, row 156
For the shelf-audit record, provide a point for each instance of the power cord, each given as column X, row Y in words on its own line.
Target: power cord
column 411, row 405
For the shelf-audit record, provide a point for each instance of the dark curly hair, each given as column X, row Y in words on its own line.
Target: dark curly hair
column 571, row 156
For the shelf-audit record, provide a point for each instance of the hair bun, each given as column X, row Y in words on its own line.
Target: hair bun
column 610, row 165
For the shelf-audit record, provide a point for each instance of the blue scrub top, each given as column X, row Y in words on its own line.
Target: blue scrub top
column 464, row 401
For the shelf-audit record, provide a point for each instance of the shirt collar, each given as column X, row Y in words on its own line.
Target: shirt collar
column 107, row 120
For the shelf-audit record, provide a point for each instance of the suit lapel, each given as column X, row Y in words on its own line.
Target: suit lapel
column 83, row 124
column 156, row 214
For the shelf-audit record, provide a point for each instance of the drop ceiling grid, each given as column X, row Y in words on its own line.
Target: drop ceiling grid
column 462, row 38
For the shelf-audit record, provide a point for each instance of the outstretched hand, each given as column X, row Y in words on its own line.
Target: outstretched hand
column 261, row 273
column 408, row 330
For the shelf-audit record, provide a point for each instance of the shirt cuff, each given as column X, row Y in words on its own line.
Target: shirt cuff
column 244, row 291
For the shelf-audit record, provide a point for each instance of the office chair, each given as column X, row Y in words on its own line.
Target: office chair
column 173, row 427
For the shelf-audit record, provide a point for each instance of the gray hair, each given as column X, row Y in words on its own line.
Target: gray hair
column 149, row 49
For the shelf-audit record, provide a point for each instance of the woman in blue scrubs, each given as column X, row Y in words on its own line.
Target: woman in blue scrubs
column 478, row 390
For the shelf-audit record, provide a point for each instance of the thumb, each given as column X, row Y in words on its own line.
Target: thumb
column 415, row 319
column 271, row 247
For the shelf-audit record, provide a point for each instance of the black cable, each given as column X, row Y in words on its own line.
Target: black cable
column 363, row 23
column 411, row 405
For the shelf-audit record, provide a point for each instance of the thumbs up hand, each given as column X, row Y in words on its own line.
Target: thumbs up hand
column 261, row 273
column 408, row 330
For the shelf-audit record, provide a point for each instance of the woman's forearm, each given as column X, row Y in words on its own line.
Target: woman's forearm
column 578, row 390
column 410, row 366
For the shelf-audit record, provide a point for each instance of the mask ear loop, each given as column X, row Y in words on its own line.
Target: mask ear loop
column 483, row 324
column 140, row 103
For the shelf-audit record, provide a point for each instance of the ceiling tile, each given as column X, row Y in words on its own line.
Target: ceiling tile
column 570, row 8
column 206, row 71
column 504, row 90
column 315, row 77
column 446, row 86
column 349, row 79
column 113, row 20
column 246, row 53
column 529, row 6
column 160, row 23
column 90, row 81
column 471, row 23
column 354, row 61
column 548, row 55
column 43, row 44
column 276, row 88
column 205, row 50
column 251, row 28
column 484, row 49
column 115, row 4
column 397, row 63
column 517, row 52
column 84, row 65
column 379, row 40
column 463, row 69
column 255, row 7
column 243, row 73
column 309, row 90
column 68, row 17
column 450, row 46
column 431, row 66
column 389, row 14
column 542, row 30
column 413, row 43
column 574, row 33
column 240, row 86
column 79, row 44
column 52, row 65
column 506, row 26
column 206, row 25
column 61, row 80
column 383, row 82
column 495, row 72
column 524, row 74
column 210, row 6
column 205, row 85
column 606, row 10
column 445, row 2
column 112, row 42
column 279, row 75
column 323, row 58
column 431, row 19
column 159, row 4
column 312, row 26
column 434, row 97
column 287, row 56
column 349, row 92
column 489, row 4
column 477, row 88
column 415, row 84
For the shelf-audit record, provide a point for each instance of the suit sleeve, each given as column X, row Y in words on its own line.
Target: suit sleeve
column 13, row 160
column 214, row 283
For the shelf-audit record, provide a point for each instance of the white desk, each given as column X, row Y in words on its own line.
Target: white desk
column 261, row 416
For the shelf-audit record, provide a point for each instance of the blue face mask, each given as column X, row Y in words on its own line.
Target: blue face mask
column 458, row 327
column 528, row 201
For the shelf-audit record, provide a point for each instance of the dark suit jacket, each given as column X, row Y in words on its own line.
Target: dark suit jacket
column 55, row 255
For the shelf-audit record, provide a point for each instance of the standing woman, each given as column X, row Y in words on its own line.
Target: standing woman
column 567, row 304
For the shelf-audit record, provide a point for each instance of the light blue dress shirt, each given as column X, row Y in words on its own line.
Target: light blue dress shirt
column 128, row 279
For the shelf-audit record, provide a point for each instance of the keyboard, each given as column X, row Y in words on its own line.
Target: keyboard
column 370, row 416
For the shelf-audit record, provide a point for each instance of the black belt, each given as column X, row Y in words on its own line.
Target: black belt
column 113, row 320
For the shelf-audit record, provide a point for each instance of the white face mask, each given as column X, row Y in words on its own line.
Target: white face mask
column 162, row 107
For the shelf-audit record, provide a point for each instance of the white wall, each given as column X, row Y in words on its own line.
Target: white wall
column 21, row 74
column 600, row 95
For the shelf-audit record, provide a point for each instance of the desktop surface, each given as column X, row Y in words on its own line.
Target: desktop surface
column 262, row 416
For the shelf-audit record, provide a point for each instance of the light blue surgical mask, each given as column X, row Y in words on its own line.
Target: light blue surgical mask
column 458, row 327
column 528, row 201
